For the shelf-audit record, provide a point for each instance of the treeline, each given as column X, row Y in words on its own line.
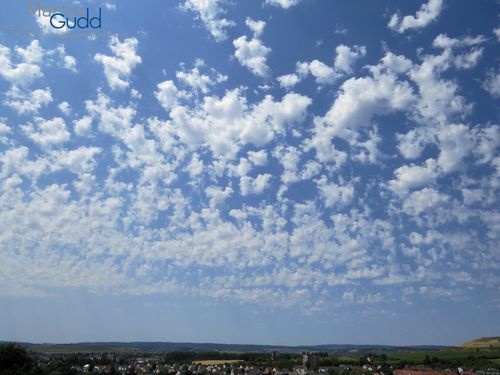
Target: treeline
column 188, row 356
column 14, row 360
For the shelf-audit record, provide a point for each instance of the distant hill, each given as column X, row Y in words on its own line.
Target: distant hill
column 485, row 342
column 176, row 346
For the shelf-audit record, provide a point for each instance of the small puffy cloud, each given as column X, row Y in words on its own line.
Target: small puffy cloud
column 455, row 143
column 423, row 200
column 32, row 54
column 285, row 4
column 47, row 133
column 496, row 31
column 83, row 125
column 487, row 140
column 254, row 186
column 198, row 81
column 118, row 68
column 195, row 166
column 167, row 94
column 211, row 14
column 252, row 53
column 325, row 75
column 492, row 83
column 334, row 194
column 218, row 195
column 414, row 176
column 109, row 6
column 27, row 101
column 427, row 13
column 80, row 160
column 257, row 27
column 287, row 81
column 23, row 73
column 258, row 158
column 65, row 108
column 4, row 131
column 412, row 144
column 69, row 63
column 347, row 56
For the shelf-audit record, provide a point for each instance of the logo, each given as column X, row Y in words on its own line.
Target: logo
column 82, row 22
column 68, row 17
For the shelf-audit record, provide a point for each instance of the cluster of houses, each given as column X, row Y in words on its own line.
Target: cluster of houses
column 310, row 366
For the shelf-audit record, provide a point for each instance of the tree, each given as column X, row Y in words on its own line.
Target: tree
column 15, row 360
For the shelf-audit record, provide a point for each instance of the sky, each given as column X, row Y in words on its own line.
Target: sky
column 250, row 171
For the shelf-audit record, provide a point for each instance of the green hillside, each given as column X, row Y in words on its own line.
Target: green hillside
column 485, row 342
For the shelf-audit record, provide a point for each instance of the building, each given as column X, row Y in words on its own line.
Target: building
column 310, row 360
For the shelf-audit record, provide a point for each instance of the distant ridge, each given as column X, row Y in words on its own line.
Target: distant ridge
column 188, row 346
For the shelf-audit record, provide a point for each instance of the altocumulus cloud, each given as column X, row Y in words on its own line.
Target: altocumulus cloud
column 372, row 182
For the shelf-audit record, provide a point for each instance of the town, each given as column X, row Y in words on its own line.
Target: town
column 15, row 359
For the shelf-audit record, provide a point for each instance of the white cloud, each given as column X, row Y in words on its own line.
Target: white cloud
column 253, row 186
column 4, row 131
column 80, row 160
column 23, row 73
column 33, row 54
column 118, row 68
column 413, row 176
column 68, row 62
column 195, row 166
column 110, row 6
column 47, row 133
column 218, row 196
column 334, row 194
column 257, row 27
column 225, row 124
column 83, row 125
column 496, row 31
column 487, row 140
column 285, row 4
column 455, row 143
column 252, row 53
column 258, row 158
column 468, row 60
column 287, row 81
column 412, row 144
column 23, row 101
column 198, row 81
column 492, row 83
column 445, row 42
column 347, row 56
column 359, row 99
column 167, row 94
column 324, row 75
column 65, row 108
column 289, row 158
column 439, row 100
column 211, row 14
column 423, row 200
column 425, row 15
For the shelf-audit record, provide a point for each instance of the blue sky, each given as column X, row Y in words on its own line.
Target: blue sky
column 265, row 171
